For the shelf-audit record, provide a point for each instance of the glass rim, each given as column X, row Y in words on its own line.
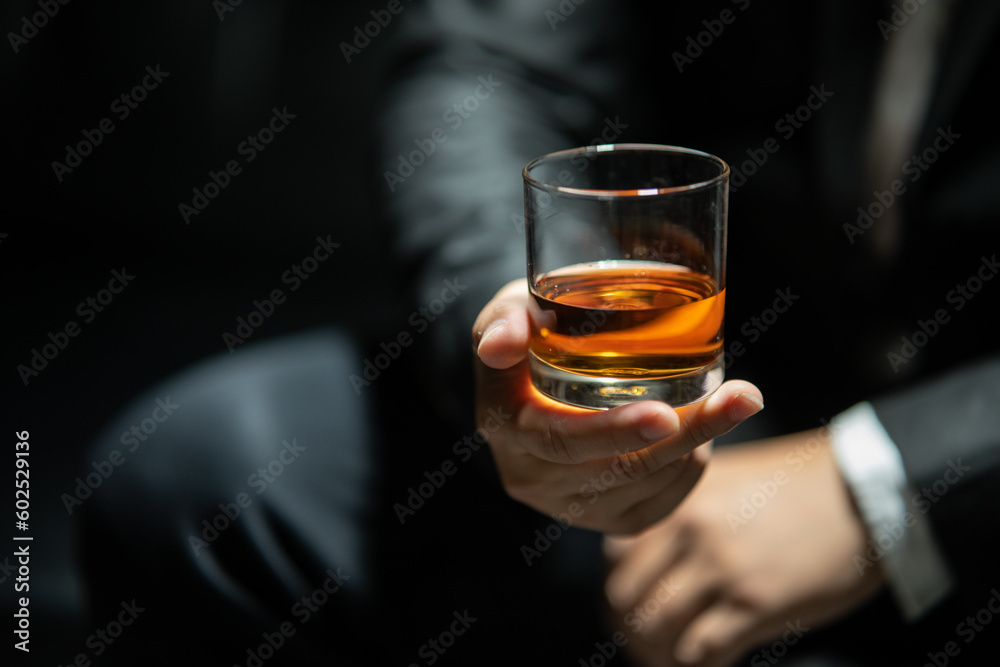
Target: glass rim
column 624, row 194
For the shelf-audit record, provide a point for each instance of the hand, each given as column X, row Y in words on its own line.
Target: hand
column 762, row 550
column 616, row 471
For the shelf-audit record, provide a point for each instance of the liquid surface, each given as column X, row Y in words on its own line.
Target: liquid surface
column 627, row 319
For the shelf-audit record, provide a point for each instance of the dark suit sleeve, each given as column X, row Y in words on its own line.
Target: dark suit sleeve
column 948, row 432
column 476, row 90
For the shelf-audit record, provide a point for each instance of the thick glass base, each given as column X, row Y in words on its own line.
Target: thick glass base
column 601, row 393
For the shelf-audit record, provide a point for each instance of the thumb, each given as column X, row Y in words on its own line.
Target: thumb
column 502, row 330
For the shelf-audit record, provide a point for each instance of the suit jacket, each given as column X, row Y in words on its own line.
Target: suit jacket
column 782, row 92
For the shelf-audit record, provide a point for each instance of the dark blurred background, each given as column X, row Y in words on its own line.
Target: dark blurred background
column 118, row 210
column 230, row 66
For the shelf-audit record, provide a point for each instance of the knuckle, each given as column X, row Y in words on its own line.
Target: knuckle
column 700, row 431
column 553, row 445
column 691, row 521
column 751, row 595
column 638, row 465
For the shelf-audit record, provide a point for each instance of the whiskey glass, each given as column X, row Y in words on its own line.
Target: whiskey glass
column 626, row 254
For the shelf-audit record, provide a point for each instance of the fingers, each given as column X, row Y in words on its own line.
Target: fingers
column 631, row 509
column 567, row 435
column 640, row 564
column 644, row 436
column 668, row 494
column 633, row 456
column 641, row 437
column 501, row 331
column 641, row 453
column 697, row 623
column 718, row 637
column 732, row 403
column 659, row 603
column 562, row 434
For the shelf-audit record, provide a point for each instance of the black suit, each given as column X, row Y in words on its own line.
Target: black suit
column 863, row 326
column 605, row 72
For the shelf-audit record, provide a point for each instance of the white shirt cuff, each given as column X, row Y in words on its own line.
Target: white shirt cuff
column 901, row 541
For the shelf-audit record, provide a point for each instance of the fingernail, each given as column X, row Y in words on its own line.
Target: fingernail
column 656, row 427
column 491, row 330
column 745, row 406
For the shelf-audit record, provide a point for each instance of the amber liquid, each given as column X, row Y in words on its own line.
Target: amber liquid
column 627, row 319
